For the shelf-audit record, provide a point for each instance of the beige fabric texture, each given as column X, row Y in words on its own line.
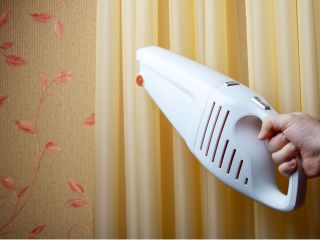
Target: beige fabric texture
column 149, row 185
column 56, row 40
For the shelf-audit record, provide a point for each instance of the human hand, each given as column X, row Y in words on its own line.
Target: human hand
column 288, row 136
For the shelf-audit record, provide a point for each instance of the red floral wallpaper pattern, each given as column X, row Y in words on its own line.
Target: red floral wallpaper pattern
column 20, row 195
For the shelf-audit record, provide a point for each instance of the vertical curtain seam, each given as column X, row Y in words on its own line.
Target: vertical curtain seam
column 299, row 57
column 227, row 62
column 239, row 37
column 275, row 53
column 315, row 42
column 241, row 53
column 203, row 173
column 122, row 154
column 250, row 38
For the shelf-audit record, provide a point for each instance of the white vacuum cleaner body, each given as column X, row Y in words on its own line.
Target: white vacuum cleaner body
column 219, row 119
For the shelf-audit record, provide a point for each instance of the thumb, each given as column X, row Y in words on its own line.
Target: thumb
column 272, row 125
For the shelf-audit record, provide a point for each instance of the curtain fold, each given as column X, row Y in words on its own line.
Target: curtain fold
column 147, row 136
column 128, row 19
column 109, row 141
column 148, row 184
column 186, row 170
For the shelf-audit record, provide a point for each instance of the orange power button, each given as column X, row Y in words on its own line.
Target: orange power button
column 139, row 80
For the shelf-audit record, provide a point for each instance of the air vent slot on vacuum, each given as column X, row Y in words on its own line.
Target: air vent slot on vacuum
column 215, row 125
column 221, row 130
column 213, row 128
column 206, row 128
column 223, row 153
column 231, row 160
column 239, row 169
column 246, row 181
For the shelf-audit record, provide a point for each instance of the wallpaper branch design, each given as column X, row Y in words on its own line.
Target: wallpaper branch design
column 32, row 127
column 76, row 187
column 3, row 99
column 46, row 17
column 90, row 120
column 20, row 195
column 4, row 18
column 11, row 60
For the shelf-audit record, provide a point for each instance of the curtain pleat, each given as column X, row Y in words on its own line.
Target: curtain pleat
column 240, row 217
column 149, row 185
column 216, row 58
column 166, row 139
column 186, row 170
column 147, row 136
column 109, row 162
column 261, row 49
column 287, row 53
column 128, row 20
column 308, row 61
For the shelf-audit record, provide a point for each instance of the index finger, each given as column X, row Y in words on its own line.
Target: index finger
column 272, row 125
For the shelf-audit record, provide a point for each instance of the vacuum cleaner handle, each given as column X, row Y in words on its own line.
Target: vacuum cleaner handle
column 297, row 180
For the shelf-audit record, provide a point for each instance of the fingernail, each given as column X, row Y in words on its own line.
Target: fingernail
column 292, row 163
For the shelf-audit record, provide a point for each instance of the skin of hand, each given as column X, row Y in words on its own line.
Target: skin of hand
column 289, row 135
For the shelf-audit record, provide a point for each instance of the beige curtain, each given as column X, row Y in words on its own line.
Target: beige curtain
column 148, row 184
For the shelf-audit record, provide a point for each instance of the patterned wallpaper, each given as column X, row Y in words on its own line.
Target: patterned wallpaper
column 47, row 94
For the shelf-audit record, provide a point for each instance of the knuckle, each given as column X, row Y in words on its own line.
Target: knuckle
column 277, row 142
column 276, row 158
column 284, row 170
column 267, row 123
column 311, row 168
column 270, row 145
column 290, row 118
column 284, row 138
column 292, row 148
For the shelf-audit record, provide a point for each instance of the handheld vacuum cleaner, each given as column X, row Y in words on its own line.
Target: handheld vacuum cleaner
column 219, row 119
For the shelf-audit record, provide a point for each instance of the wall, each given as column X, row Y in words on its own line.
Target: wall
column 47, row 89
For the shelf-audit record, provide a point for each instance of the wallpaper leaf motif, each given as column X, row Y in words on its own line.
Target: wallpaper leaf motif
column 76, row 202
column 90, row 120
column 37, row 230
column 4, row 18
column 6, row 45
column 52, row 146
column 8, row 183
column 41, row 17
column 75, row 186
column 3, row 99
column 64, row 77
column 15, row 60
column 25, row 126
